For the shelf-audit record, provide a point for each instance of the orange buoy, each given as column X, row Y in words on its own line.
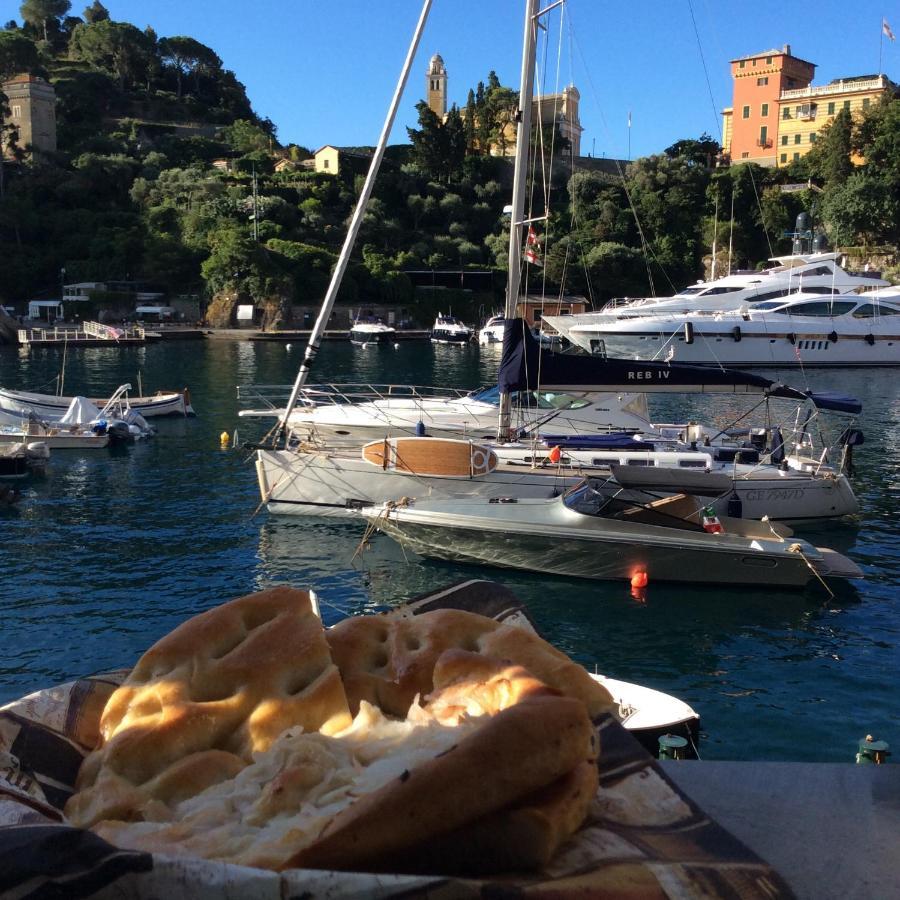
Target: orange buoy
column 639, row 580
column 555, row 454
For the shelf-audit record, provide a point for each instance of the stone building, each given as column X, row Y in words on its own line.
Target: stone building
column 32, row 109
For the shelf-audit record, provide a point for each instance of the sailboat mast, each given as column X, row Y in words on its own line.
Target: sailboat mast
column 520, row 172
column 315, row 338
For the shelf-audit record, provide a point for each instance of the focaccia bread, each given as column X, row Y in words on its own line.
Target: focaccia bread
column 206, row 697
column 514, row 758
column 388, row 659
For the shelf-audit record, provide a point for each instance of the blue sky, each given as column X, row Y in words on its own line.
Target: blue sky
column 324, row 72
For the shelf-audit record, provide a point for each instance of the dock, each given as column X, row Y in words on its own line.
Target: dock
column 419, row 334
column 85, row 334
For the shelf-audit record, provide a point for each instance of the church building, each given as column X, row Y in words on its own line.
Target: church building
column 547, row 109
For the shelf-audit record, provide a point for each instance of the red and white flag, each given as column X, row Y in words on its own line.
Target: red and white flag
column 532, row 248
column 887, row 29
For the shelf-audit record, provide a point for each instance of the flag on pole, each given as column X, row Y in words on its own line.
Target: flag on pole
column 629, row 118
column 887, row 29
column 532, row 248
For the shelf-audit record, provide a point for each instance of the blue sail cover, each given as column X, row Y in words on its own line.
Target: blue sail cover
column 525, row 366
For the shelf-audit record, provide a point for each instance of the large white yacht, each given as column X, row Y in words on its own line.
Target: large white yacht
column 805, row 329
column 808, row 273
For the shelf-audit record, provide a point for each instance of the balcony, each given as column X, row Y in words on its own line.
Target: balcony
column 842, row 87
column 764, row 144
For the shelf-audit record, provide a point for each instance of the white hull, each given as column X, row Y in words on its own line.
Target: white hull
column 335, row 484
column 717, row 348
column 547, row 536
column 56, row 439
column 50, row 407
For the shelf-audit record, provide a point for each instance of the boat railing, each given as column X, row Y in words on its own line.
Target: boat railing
column 86, row 331
column 275, row 396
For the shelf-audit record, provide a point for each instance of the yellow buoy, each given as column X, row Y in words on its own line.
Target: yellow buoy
column 224, row 439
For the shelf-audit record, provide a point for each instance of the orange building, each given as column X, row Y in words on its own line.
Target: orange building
column 750, row 132
column 776, row 113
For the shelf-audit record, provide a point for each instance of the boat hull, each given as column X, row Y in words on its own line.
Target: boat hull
column 315, row 483
column 50, row 407
column 717, row 346
column 617, row 554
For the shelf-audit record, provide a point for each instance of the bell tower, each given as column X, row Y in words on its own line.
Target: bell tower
column 436, row 86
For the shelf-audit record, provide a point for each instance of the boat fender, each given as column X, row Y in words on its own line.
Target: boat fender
column 735, row 509
column 736, row 333
column 870, row 340
column 420, row 428
column 688, row 333
column 639, row 580
column 833, row 337
column 792, row 338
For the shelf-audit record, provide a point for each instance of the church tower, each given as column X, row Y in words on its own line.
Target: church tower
column 436, row 86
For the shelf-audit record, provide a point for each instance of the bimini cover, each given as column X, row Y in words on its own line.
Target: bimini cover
column 834, row 401
column 80, row 412
column 525, row 366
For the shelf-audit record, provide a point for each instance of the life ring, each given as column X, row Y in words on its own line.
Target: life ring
column 479, row 461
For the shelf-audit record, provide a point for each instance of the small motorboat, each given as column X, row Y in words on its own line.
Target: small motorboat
column 371, row 331
column 450, row 330
column 56, row 435
column 19, row 460
column 50, row 407
column 492, row 332
column 596, row 530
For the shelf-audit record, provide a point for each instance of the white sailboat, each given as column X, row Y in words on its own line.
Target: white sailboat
column 322, row 469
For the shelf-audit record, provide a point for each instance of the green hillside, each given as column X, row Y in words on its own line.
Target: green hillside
column 132, row 192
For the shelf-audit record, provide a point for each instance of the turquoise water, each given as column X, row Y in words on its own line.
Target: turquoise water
column 114, row 548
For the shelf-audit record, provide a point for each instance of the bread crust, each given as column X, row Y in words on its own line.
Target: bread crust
column 204, row 698
column 388, row 659
column 521, row 749
column 523, row 837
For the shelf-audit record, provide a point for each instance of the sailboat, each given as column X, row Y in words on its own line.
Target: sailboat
column 362, row 461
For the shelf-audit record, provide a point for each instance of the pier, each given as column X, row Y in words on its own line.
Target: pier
column 86, row 334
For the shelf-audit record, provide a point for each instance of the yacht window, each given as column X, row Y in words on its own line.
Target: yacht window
column 820, row 289
column 826, row 308
column 768, row 304
column 550, row 400
column 692, row 291
column 869, row 310
column 722, row 290
column 818, row 270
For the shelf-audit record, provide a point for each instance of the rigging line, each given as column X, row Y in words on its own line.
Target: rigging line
column 712, row 99
column 645, row 245
column 759, row 207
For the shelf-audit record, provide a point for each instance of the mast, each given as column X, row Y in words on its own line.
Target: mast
column 523, row 138
column 315, row 338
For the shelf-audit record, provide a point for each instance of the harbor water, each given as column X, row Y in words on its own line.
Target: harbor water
column 113, row 548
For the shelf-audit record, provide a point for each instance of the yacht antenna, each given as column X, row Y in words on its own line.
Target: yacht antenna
column 315, row 338
column 731, row 230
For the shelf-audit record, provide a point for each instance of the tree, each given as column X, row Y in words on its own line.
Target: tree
column 17, row 54
column 38, row 13
column 96, row 12
column 701, row 151
column 501, row 107
column 864, row 208
column 117, row 47
column 429, row 140
column 245, row 136
column 830, row 159
column 187, row 56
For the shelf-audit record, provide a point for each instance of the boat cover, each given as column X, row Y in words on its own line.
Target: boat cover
column 80, row 412
column 525, row 365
